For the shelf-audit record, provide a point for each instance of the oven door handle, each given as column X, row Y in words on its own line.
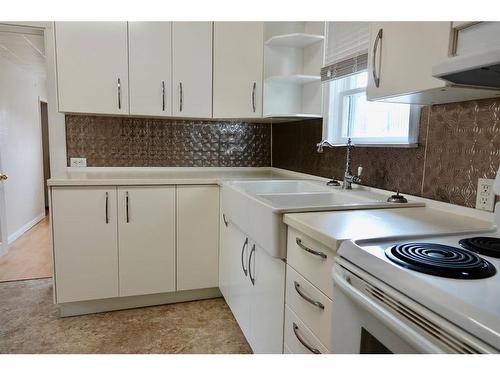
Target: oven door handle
column 403, row 330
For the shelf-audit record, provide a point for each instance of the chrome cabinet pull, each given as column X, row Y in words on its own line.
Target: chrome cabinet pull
column 252, row 277
column 119, row 85
column 163, row 95
column 245, row 271
column 308, row 299
column 126, row 201
column 106, row 209
column 376, row 78
column 226, row 223
column 181, row 97
column 302, row 341
column 311, row 251
column 254, row 87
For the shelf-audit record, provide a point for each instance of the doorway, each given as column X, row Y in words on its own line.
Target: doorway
column 24, row 155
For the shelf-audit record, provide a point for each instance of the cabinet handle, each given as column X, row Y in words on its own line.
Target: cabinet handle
column 245, row 271
column 226, row 223
column 378, row 39
column 252, row 277
column 126, row 203
column 119, row 85
column 311, row 251
column 163, row 95
column 106, row 209
column 254, row 87
column 302, row 341
column 181, row 97
column 308, row 299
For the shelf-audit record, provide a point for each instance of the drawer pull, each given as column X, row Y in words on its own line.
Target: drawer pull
column 308, row 299
column 245, row 244
column 311, row 251
column 302, row 341
column 226, row 223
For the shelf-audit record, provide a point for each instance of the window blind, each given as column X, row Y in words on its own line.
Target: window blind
column 346, row 49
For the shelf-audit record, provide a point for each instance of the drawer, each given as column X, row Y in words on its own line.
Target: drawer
column 315, row 268
column 301, row 297
column 286, row 350
column 298, row 337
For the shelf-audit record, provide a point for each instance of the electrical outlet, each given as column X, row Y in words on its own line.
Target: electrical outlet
column 78, row 162
column 485, row 199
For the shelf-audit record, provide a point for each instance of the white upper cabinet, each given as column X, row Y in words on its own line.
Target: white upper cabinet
column 150, row 68
column 192, row 69
column 92, row 69
column 401, row 56
column 238, row 66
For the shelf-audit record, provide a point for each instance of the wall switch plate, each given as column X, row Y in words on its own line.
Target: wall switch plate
column 78, row 162
column 485, row 199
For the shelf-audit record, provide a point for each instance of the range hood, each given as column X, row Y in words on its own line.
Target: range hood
column 480, row 70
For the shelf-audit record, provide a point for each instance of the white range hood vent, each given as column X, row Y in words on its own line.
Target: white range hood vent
column 475, row 70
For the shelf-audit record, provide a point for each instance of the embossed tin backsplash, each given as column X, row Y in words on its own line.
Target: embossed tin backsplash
column 458, row 143
column 145, row 142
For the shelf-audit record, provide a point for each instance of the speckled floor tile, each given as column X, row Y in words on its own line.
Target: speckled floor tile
column 29, row 323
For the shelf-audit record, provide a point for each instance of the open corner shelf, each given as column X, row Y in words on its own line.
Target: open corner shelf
column 292, row 115
column 295, row 40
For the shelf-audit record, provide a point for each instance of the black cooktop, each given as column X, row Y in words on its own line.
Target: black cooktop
column 440, row 260
column 489, row 246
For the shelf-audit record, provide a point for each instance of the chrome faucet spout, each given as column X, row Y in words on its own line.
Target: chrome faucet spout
column 349, row 178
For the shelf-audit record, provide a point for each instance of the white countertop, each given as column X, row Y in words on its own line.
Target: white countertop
column 160, row 176
column 331, row 228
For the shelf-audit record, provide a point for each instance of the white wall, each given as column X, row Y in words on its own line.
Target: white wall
column 21, row 145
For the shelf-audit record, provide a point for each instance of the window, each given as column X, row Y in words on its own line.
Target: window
column 350, row 115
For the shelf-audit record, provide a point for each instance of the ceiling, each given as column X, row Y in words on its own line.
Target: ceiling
column 23, row 47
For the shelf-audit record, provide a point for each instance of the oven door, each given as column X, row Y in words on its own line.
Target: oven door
column 361, row 325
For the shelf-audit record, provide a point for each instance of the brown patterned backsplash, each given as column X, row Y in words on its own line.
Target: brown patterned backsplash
column 458, row 143
column 145, row 142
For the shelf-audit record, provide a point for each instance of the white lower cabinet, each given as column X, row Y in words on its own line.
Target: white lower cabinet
column 121, row 241
column 252, row 283
column 197, row 237
column 85, row 240
column 146, row 232
column 298, row 337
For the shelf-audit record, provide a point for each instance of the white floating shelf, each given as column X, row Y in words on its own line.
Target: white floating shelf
column 295, row 78
column 291, row 115
column 296, row 40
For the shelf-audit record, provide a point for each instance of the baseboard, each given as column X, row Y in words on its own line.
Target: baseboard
column 122, row 303
column 18, row 233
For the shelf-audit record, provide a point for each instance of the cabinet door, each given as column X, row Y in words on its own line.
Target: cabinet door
column 267, row 301
column 150, row 68
column 146, row 229
column 238, row 65
column 226, row 243
column 192, row 69
column 92, row 67
column 197, row 237
column 85, row 243
column 240, row 286
column 404, row 57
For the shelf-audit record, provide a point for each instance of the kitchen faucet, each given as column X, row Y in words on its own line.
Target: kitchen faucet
column 349, row 178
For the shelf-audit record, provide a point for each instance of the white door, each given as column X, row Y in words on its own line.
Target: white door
column 226, row 241
column 238, row 66
column 192, row 69
column 3, row 215
column 85, row 243
column 150, row 68
column 197, row 237
column 404, row 55
column 92, row 67
column 267, row 275
column 146, row 229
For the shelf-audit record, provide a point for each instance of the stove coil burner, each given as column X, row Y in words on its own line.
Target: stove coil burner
column 440, row 260
column 489, row 246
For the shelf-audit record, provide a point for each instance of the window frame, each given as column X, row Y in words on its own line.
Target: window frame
column 333, row 122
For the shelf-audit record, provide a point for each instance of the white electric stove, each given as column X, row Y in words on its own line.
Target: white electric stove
column 418, row 295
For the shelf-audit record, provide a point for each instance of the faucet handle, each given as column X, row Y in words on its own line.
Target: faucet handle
column 360, row 170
